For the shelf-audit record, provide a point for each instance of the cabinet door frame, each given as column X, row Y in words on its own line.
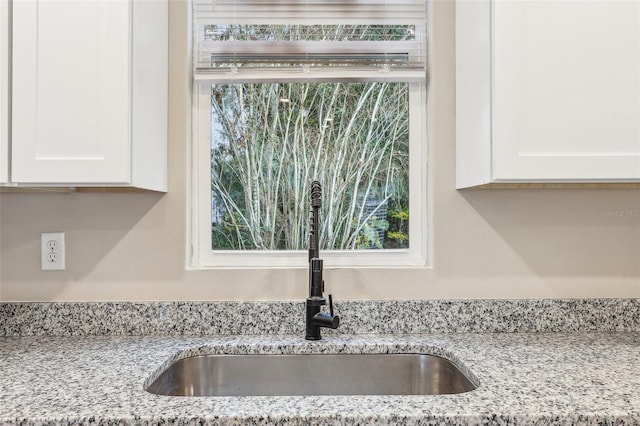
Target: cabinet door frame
column 5, row 48
column 488, row 147
column 71, row 115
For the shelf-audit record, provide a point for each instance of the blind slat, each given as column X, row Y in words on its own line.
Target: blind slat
column 341, row 11
column 295, row 75
column 311, row 47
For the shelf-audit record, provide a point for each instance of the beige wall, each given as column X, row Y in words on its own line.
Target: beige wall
column 487, row 243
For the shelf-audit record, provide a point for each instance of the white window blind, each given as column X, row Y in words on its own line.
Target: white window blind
column 309, row 40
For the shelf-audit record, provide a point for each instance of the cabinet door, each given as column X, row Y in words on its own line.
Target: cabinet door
column 4, row 91
column 71, row 103
column 566, row 90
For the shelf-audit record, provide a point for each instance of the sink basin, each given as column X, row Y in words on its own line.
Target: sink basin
column 335, row 374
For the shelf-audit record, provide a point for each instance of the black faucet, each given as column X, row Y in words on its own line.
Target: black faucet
column 315, row 318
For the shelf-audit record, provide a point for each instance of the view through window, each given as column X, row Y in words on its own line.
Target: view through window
column 269, row 141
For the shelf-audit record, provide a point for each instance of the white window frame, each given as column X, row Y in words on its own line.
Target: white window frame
column 201, row 256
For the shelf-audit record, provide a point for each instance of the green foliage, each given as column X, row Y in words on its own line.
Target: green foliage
column 398, row 233
column 402, row 215
column 370, row 235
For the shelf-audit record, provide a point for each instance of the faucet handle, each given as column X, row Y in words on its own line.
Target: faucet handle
column 331, row 305
column 334, row 319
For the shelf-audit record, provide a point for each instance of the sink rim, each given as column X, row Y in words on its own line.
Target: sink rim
column 204, row 352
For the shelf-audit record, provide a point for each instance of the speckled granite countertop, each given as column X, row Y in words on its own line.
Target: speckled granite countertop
column 560, row 378
column 525, row 378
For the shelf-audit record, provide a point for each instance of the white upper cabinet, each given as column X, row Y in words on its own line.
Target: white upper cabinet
column 89, row 98
column 547, row 91
column 4, row 91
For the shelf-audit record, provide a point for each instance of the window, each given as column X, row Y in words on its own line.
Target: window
column 286, row 93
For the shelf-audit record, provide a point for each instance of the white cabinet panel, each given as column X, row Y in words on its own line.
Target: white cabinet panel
column 89, row 93
column 562, row 89
column 566, row 89
column 4, row 91
column 70, row 91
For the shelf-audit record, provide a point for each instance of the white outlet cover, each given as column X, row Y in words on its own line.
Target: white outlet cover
column 52, row 251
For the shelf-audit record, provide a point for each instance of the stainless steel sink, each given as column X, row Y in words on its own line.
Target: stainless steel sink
column 337, row 374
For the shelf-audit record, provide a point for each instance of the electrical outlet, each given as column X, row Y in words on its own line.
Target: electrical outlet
column 52, row 245
column 52, row 251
